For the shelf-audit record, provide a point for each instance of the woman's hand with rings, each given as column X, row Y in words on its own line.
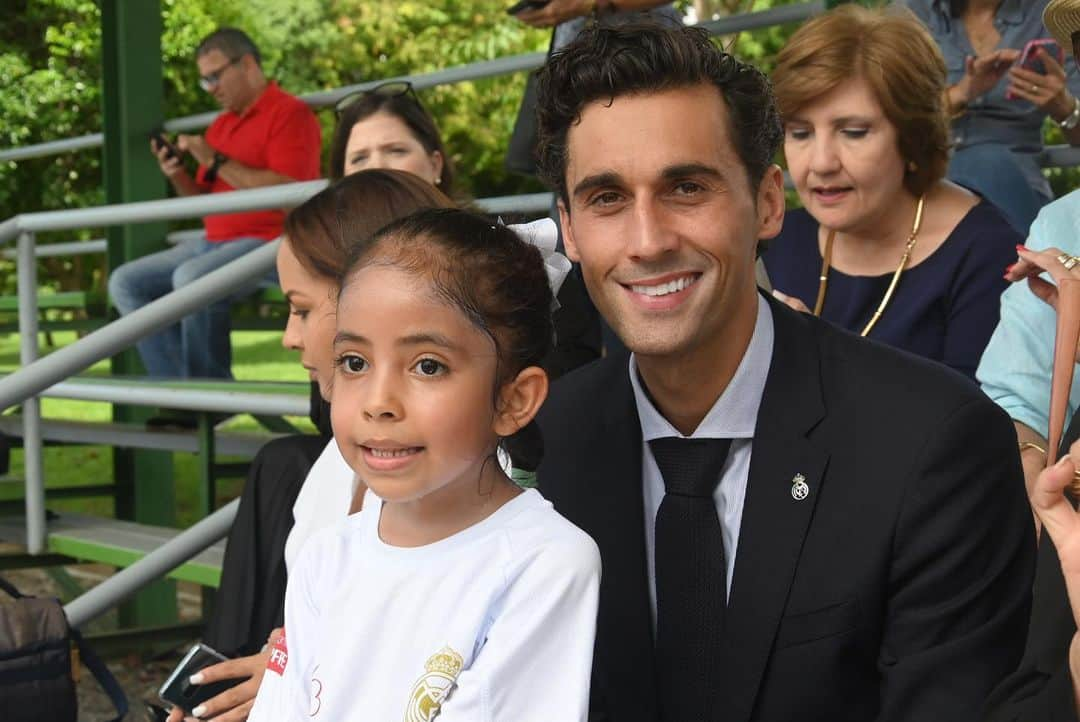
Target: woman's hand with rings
column 1047, row 91
column 1032, row 264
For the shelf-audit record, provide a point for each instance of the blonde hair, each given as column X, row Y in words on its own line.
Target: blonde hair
column 895, row 55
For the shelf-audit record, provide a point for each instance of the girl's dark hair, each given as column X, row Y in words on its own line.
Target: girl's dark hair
column 483, row 269
column 405, row 108
column 322, row 231
column 649, row 56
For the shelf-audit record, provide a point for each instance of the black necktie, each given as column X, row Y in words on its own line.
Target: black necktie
column 691, row 591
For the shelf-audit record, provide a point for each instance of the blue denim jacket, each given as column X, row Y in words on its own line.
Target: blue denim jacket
column 992, row 118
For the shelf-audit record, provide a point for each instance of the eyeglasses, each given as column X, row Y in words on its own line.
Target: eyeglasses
column 210, row 81
column 390, row 89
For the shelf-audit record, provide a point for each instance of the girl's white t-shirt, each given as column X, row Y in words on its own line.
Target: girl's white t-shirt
column 493, row 623
column 324, row 499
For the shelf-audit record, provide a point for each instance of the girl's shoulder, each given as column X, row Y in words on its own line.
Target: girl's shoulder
column 540, row 540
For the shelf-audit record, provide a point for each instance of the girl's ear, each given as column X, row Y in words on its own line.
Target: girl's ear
column 519, row 400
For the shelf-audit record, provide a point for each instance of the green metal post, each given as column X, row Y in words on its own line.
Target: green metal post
column 132, row 80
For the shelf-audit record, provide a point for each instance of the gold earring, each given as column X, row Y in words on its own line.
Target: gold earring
column 912, row 166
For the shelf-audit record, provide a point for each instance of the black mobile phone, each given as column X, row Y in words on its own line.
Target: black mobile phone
column 156, row 712
column 523, row 5
column 178, row 689
column 161, row 141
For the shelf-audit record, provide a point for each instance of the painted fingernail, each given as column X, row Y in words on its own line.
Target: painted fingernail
column 199, row 711
column 196, row 678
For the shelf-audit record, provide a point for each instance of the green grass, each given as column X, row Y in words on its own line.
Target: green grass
column 257, row 356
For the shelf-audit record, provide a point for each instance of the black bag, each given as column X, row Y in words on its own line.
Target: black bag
column 36, row 683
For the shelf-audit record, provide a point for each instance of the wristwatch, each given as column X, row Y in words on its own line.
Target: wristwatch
column 220, row 159
column 1072, row 119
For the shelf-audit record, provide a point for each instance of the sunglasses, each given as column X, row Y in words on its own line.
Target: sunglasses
column 210, row 81
column 390, row 89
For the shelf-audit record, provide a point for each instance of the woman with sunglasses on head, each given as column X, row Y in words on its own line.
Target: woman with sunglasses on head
column 387, row 127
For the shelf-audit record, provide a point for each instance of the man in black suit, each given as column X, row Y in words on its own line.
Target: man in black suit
column 861, row 548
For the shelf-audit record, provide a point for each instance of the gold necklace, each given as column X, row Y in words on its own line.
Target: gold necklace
column 827, row 259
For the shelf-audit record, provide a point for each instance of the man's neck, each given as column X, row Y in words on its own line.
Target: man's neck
column 256, row 92
column 684, row 387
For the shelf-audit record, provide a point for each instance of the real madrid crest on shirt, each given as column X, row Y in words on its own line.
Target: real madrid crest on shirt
column 429, row 692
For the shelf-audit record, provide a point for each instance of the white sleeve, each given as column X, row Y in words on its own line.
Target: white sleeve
column 284, row 692
column 536, row 661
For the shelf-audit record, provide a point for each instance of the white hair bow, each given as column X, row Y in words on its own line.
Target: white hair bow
column 544, row 234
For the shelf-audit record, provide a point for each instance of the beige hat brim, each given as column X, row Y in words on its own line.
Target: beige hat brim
column 1062, row 19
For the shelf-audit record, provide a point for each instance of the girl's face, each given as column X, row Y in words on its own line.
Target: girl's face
column 383, row 140
column 310, row 329
column 413, row 409
column 844, row 159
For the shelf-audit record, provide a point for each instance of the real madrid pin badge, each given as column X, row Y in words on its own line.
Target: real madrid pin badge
column 799, row 488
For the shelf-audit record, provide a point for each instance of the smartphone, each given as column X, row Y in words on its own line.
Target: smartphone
column 180, row 692
column 1029, row 58
column 156, row 712
column 161, row 141
column 523, row 5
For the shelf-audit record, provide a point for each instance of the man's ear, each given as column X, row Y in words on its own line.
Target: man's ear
column 771, row 202
column 568, row 233
column 519, row 400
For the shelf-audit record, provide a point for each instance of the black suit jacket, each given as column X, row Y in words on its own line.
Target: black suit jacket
column 899, row 589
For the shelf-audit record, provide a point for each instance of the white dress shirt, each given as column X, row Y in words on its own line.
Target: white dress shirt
column 733, row 416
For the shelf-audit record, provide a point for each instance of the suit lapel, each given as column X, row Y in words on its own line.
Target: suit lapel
column 774, row 521
column 624, row 632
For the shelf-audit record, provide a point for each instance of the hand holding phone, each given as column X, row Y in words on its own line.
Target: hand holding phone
column 1029, row 56
column 178, row 689
column 160, row 141
column 1038, row 76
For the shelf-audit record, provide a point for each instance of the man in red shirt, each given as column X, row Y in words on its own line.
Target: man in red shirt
column 264, row 137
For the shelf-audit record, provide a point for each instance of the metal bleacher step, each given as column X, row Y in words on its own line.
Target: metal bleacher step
column 277, row 398
column 117, row 543
column 136, row 436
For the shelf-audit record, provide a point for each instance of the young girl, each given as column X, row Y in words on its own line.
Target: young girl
column 453, row 593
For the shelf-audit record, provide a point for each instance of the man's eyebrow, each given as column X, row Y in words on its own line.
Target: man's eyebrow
column 685, row 170
column 599, row 180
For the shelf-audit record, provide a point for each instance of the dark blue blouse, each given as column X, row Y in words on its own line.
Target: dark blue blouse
column 945, row 308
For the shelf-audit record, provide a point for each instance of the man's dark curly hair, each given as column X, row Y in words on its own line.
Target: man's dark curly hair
column 604, row 63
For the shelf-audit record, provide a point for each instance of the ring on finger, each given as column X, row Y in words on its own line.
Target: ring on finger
column 1034, row 88
column 1068, row 261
